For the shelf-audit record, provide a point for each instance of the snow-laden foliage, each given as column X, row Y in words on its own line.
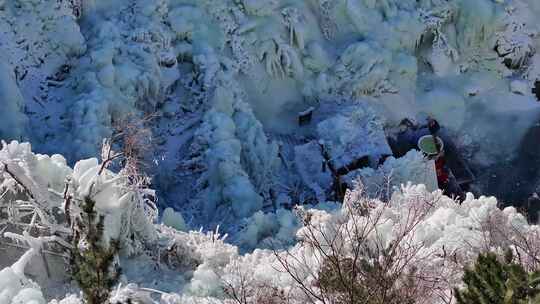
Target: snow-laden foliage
column 263, row 230
column 43, row 192
column 435, row 234
column 445, row 235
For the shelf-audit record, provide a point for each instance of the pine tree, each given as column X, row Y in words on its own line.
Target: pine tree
column 491, row 281
column 93, row 266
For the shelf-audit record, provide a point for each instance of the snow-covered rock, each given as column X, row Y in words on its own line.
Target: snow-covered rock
column 395, row 172
column 353, row 134
column 520, row 87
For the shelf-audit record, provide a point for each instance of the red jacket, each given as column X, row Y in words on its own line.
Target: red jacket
column 442, row 171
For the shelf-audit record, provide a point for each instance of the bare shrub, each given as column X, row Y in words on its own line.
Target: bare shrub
column 498, row 232
column 134, row 140
column 349, row 260
column 256, row 294
column 241, row 288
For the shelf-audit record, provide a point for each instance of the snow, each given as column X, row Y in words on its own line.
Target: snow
column 520, row 87
column 268, row 229
column 358, row 134
column 411, row 168
column 173, row 219
column 72, row 42
column 309, row 161
column 15, row 288
column 226, row 81
column 446, row 106
column 208, row 262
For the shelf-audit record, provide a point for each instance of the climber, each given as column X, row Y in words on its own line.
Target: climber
column 536, row 89
column 445, row 177
column 442, row 151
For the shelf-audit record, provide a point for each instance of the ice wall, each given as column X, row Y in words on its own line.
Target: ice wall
column 243, row 70
column 239, row 157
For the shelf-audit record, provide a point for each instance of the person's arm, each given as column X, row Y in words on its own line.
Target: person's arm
column 433, row 126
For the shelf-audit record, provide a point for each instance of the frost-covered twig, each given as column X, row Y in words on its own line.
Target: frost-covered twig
column 17, row 179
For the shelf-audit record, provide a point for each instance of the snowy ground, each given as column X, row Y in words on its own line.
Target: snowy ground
column 226, row 81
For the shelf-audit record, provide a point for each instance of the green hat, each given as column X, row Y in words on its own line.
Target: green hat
column 427, row 144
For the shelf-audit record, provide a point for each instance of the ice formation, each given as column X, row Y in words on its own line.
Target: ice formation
column 198, row 267
column 205, row 265
column 39, row 184
column 411, row 168
column 225, row 81
column 260, row 62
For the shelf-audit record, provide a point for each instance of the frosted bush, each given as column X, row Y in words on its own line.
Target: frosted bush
column 37, row 180
column 280, row 59
column 127, row 216
column 184, row 20
column 363, row 68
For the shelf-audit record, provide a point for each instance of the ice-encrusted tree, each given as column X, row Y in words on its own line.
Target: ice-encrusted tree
column 92, row 258
column 94, row 253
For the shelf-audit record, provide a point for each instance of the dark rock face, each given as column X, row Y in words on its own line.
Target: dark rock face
column 536, row 89
column 513, row 182
column 533, row 208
